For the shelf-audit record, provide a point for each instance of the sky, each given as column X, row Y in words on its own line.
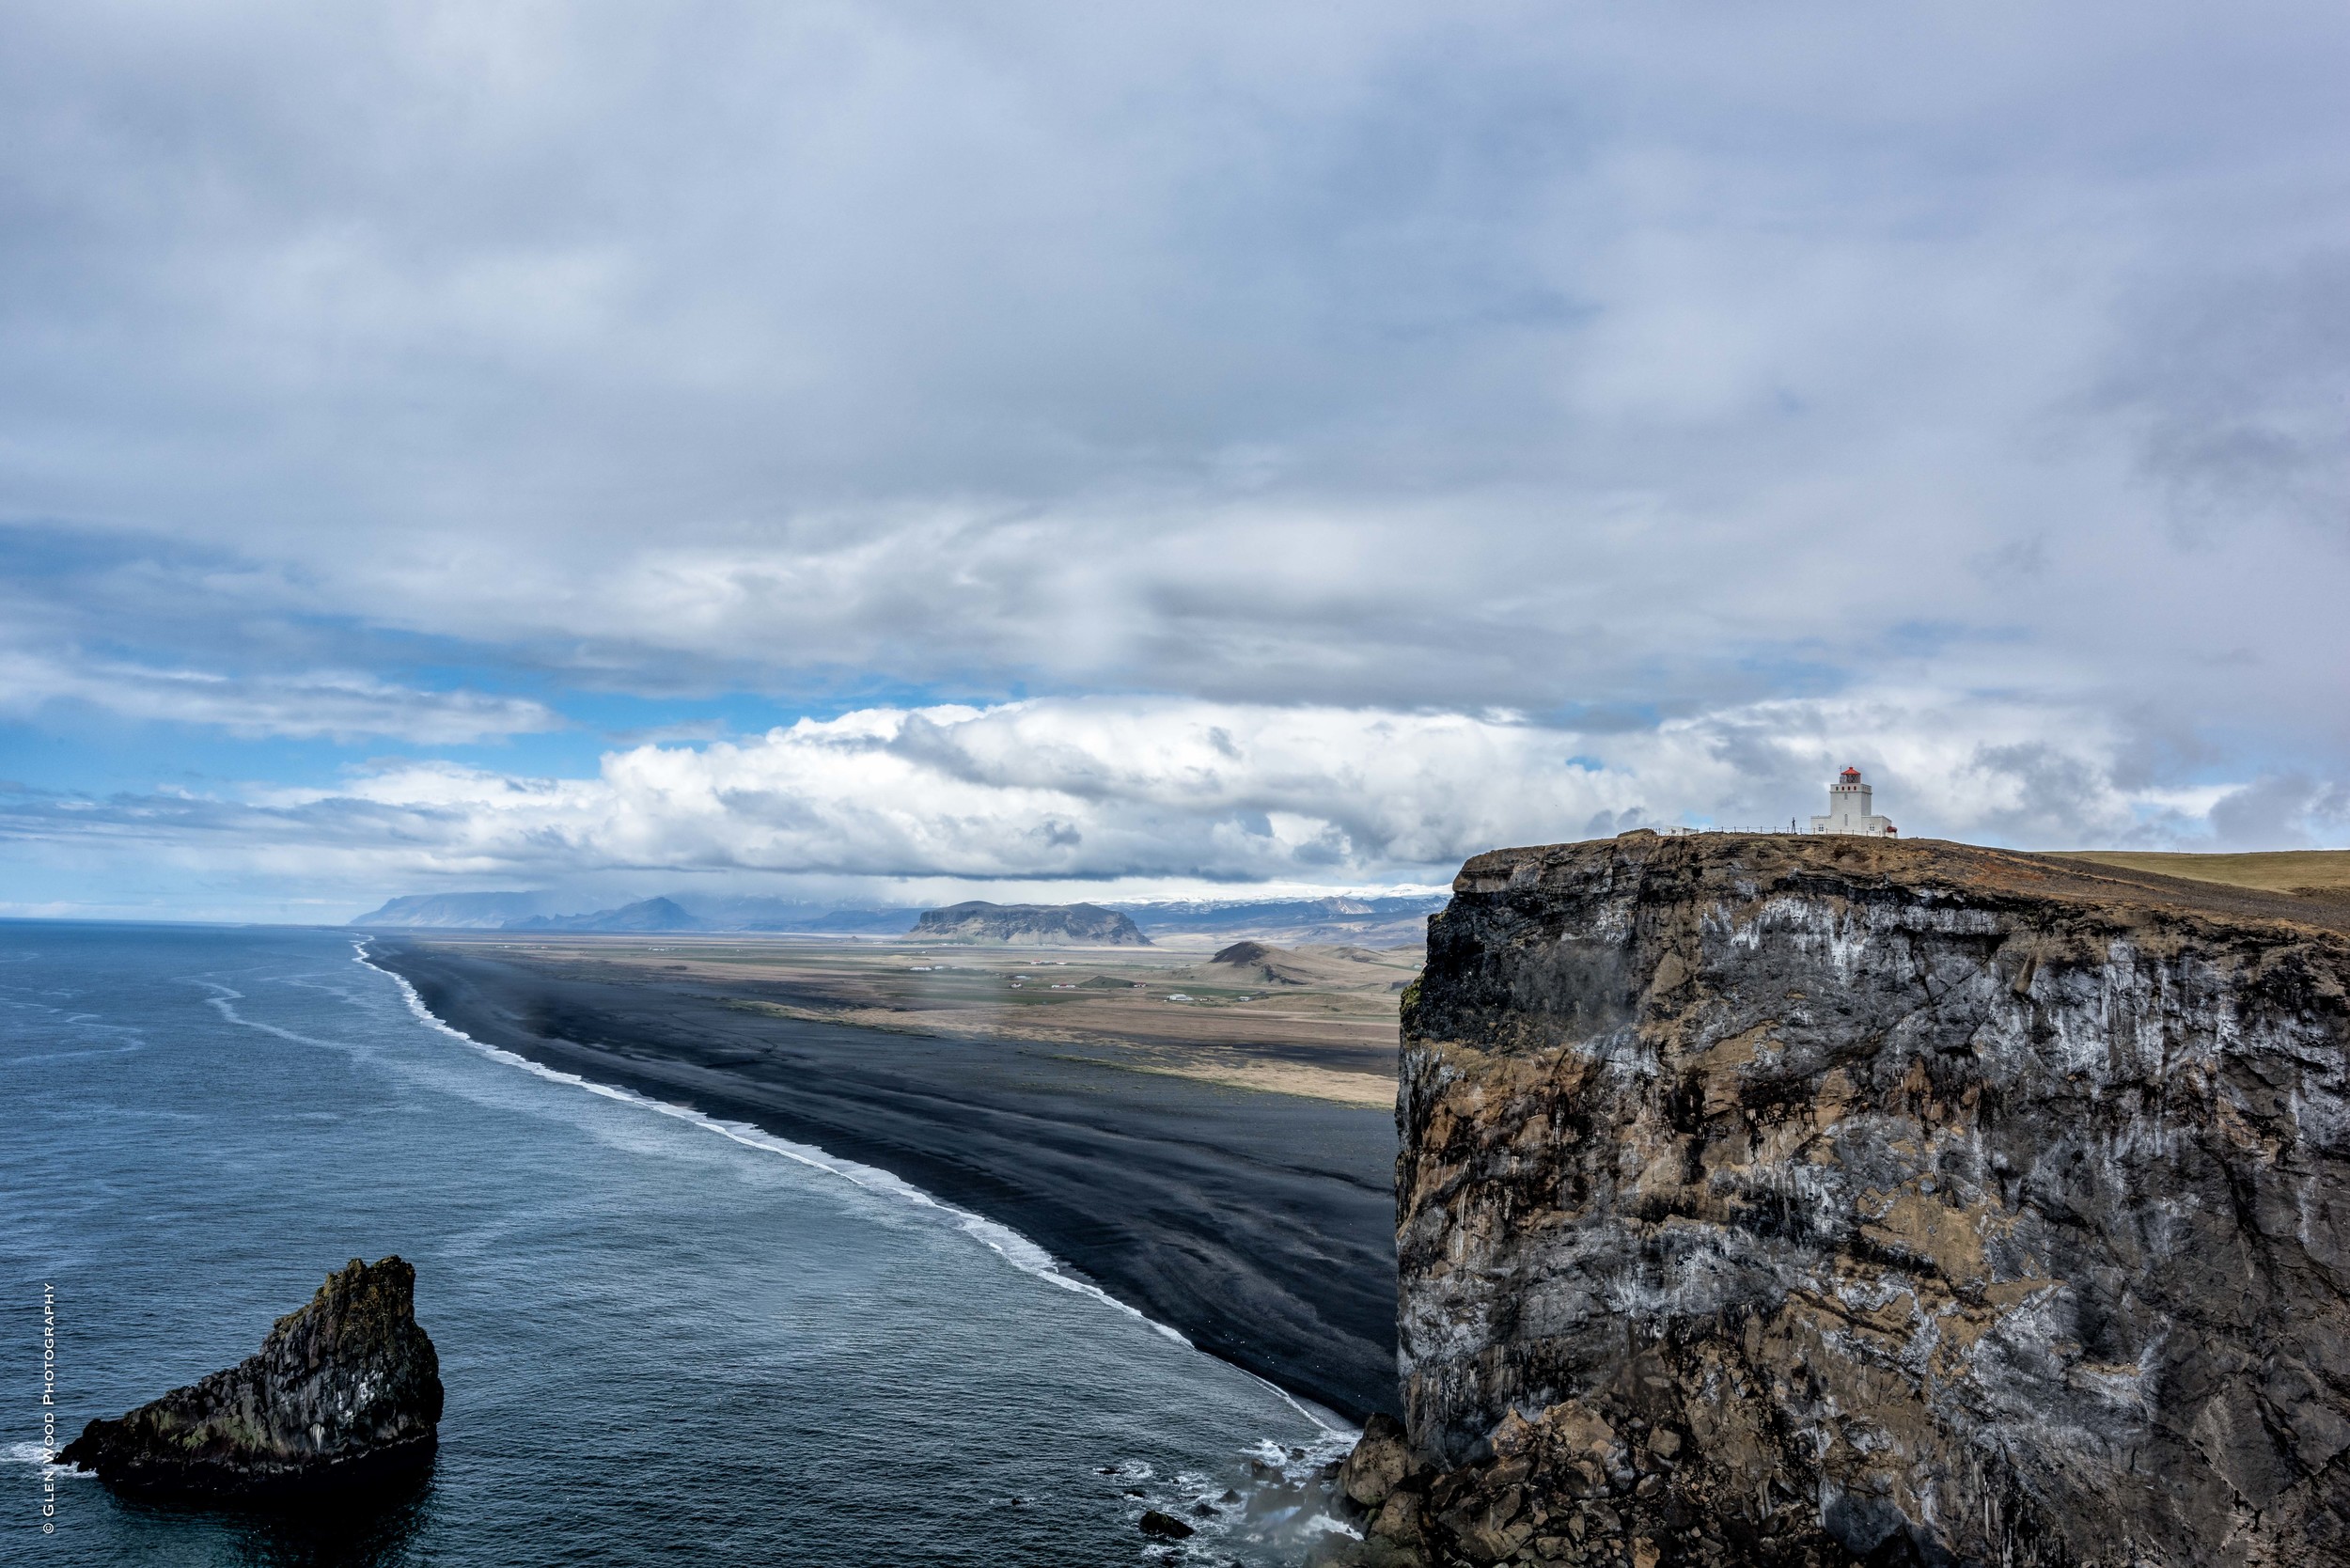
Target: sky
column 879, row 452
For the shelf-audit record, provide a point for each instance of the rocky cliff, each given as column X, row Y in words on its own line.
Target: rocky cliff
column 344, row 1393
column 1776, row 1199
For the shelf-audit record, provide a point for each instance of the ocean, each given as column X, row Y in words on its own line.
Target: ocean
column 664, row 1338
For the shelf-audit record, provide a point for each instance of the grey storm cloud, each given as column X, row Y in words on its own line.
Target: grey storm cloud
column 1619, row 366
column 2241, row 384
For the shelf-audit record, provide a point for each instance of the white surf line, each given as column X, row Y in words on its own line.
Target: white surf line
column 33, row 1453
column 1007, row 1243
column 224, row 1002
column 1330, row 1421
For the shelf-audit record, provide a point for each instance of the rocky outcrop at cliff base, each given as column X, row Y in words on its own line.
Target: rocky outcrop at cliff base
column 1767, row 1200
column 345, row 1393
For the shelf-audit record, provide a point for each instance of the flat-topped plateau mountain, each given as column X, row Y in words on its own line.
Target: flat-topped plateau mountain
column 455, row 911
column 1767, row 1200
column 1063, row 925
column 1379, row 922
column 646, row 916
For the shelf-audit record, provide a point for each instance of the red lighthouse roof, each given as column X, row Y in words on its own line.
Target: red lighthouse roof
column 1850, row 776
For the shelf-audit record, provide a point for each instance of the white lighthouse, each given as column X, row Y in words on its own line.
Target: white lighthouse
column 1848, row 801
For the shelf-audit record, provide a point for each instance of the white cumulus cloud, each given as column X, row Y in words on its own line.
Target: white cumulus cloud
column 1111, row 789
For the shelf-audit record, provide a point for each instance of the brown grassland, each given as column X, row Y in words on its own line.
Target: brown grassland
column 2311, row 873
column 1318, row 1021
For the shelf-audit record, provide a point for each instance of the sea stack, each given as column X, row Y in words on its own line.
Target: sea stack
column 344, row 1394
column 1776, row 1199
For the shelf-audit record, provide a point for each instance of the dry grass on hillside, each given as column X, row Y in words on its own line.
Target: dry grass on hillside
column 2324, row 873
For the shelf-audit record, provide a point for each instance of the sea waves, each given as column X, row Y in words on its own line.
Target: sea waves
column 1005, row 1242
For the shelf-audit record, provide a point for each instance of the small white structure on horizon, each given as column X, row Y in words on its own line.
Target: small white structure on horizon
column 1848, row 801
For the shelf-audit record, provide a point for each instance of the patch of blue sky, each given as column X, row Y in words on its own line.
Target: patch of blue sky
column 80, row 752
column 1819, row 670
column 1927, row 639
column 75, row 747
column 626, row 718
column 1605, row 718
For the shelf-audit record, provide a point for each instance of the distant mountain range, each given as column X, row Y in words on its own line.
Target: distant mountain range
column 1220, row 915
column 645, row 914
column 682, row 913
column 458, row 911
column 1375, row 922
column 1368, row 922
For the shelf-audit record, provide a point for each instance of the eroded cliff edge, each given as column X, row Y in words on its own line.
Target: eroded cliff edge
column 1766, row 1199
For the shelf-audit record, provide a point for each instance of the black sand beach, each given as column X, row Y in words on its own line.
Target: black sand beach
column 1262, row 1226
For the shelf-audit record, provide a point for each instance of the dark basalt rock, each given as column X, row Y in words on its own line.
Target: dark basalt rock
column 1769, row 1200
column 345, row 1394
column 1166, row 1527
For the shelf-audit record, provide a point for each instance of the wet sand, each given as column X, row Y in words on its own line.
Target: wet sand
column 1260, row 1225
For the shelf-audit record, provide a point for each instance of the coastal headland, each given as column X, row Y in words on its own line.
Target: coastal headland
column 1779, row 1200
column 1213, row 1144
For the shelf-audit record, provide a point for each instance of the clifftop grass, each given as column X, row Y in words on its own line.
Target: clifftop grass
column 2321, row 873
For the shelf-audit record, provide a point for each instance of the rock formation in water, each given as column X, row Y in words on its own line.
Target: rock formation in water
column 345, row 1393
column 1165, row 1526
column 1082, row 925
column 1772, row 1199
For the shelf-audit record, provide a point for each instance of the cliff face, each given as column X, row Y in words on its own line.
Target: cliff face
column 1768, row 1199
column 347, row 1390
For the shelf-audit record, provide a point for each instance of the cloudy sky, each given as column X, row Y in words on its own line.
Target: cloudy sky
column 875, row 449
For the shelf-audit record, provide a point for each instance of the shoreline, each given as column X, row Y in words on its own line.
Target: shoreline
column 1257, row 1226
column 1008, row 1244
